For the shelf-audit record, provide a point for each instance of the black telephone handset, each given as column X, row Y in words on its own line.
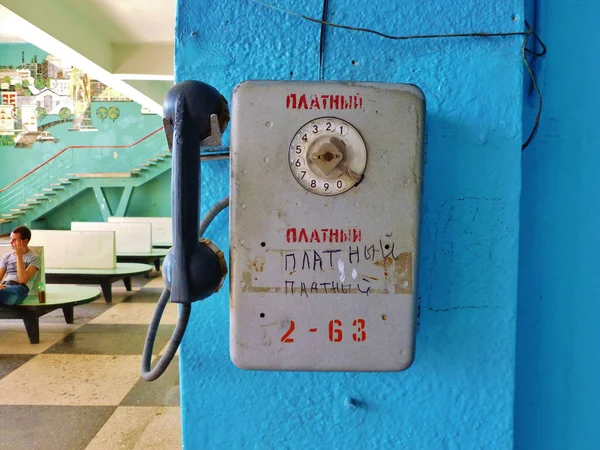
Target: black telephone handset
column 193, row 269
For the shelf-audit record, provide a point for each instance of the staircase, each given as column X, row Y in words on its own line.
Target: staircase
column 58, row 180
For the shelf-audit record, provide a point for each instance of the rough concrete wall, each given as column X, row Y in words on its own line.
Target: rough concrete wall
column 459, row 392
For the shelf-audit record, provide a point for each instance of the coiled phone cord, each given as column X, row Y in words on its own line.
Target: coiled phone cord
column 185, row 309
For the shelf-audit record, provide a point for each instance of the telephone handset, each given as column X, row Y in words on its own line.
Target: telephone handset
column 193, row 269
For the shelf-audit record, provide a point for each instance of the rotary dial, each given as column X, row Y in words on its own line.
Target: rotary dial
column 328, row 156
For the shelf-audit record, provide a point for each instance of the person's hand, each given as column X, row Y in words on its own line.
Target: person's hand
column 19, row 248
column 2, row 286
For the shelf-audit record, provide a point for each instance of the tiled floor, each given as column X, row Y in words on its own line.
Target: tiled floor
column 80, row 387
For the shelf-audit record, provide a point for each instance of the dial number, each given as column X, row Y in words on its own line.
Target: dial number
column 342, row 130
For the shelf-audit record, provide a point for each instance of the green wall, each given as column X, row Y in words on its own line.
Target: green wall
column 129, row 128
column 152, row 199
column 131, row 125
column 81, row 208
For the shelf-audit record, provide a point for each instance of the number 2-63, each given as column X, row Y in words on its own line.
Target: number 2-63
column 335, row 332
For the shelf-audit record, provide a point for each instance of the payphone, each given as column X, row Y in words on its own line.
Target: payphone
column 324, row 222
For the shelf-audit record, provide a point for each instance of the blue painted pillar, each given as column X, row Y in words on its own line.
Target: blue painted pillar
column 558, row 358
column 459, row 392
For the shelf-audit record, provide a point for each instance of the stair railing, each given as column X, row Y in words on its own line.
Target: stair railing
column 70, row 161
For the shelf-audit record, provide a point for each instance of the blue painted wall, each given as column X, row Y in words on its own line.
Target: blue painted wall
column 459, row 392
column 558, row 357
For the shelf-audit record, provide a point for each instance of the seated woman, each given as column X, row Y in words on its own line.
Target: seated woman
column 18, row 268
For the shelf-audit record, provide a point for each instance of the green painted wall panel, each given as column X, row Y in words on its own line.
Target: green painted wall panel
column 113, row 196
column 152, row 199
column 82, row 207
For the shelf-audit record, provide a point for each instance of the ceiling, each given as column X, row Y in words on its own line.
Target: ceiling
column 127, row 21
column 127, row 44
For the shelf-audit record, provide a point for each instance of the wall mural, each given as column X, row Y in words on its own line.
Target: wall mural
column 36, row 96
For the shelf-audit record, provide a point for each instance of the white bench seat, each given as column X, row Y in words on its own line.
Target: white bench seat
column 85, row 257
column 162, row 228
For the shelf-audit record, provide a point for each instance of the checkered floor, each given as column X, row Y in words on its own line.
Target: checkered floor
column 80, row 387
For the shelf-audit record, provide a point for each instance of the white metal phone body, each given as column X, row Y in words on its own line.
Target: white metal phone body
column 325, row 212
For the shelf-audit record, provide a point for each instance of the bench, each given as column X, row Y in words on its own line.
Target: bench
column 133, row 240
column 153, row 257
column 104, row 277
column 85, row 257
column 162, row 228
column 65, row 297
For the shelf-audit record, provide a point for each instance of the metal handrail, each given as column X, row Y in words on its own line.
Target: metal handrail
column 62, row 165
column 78, row 146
